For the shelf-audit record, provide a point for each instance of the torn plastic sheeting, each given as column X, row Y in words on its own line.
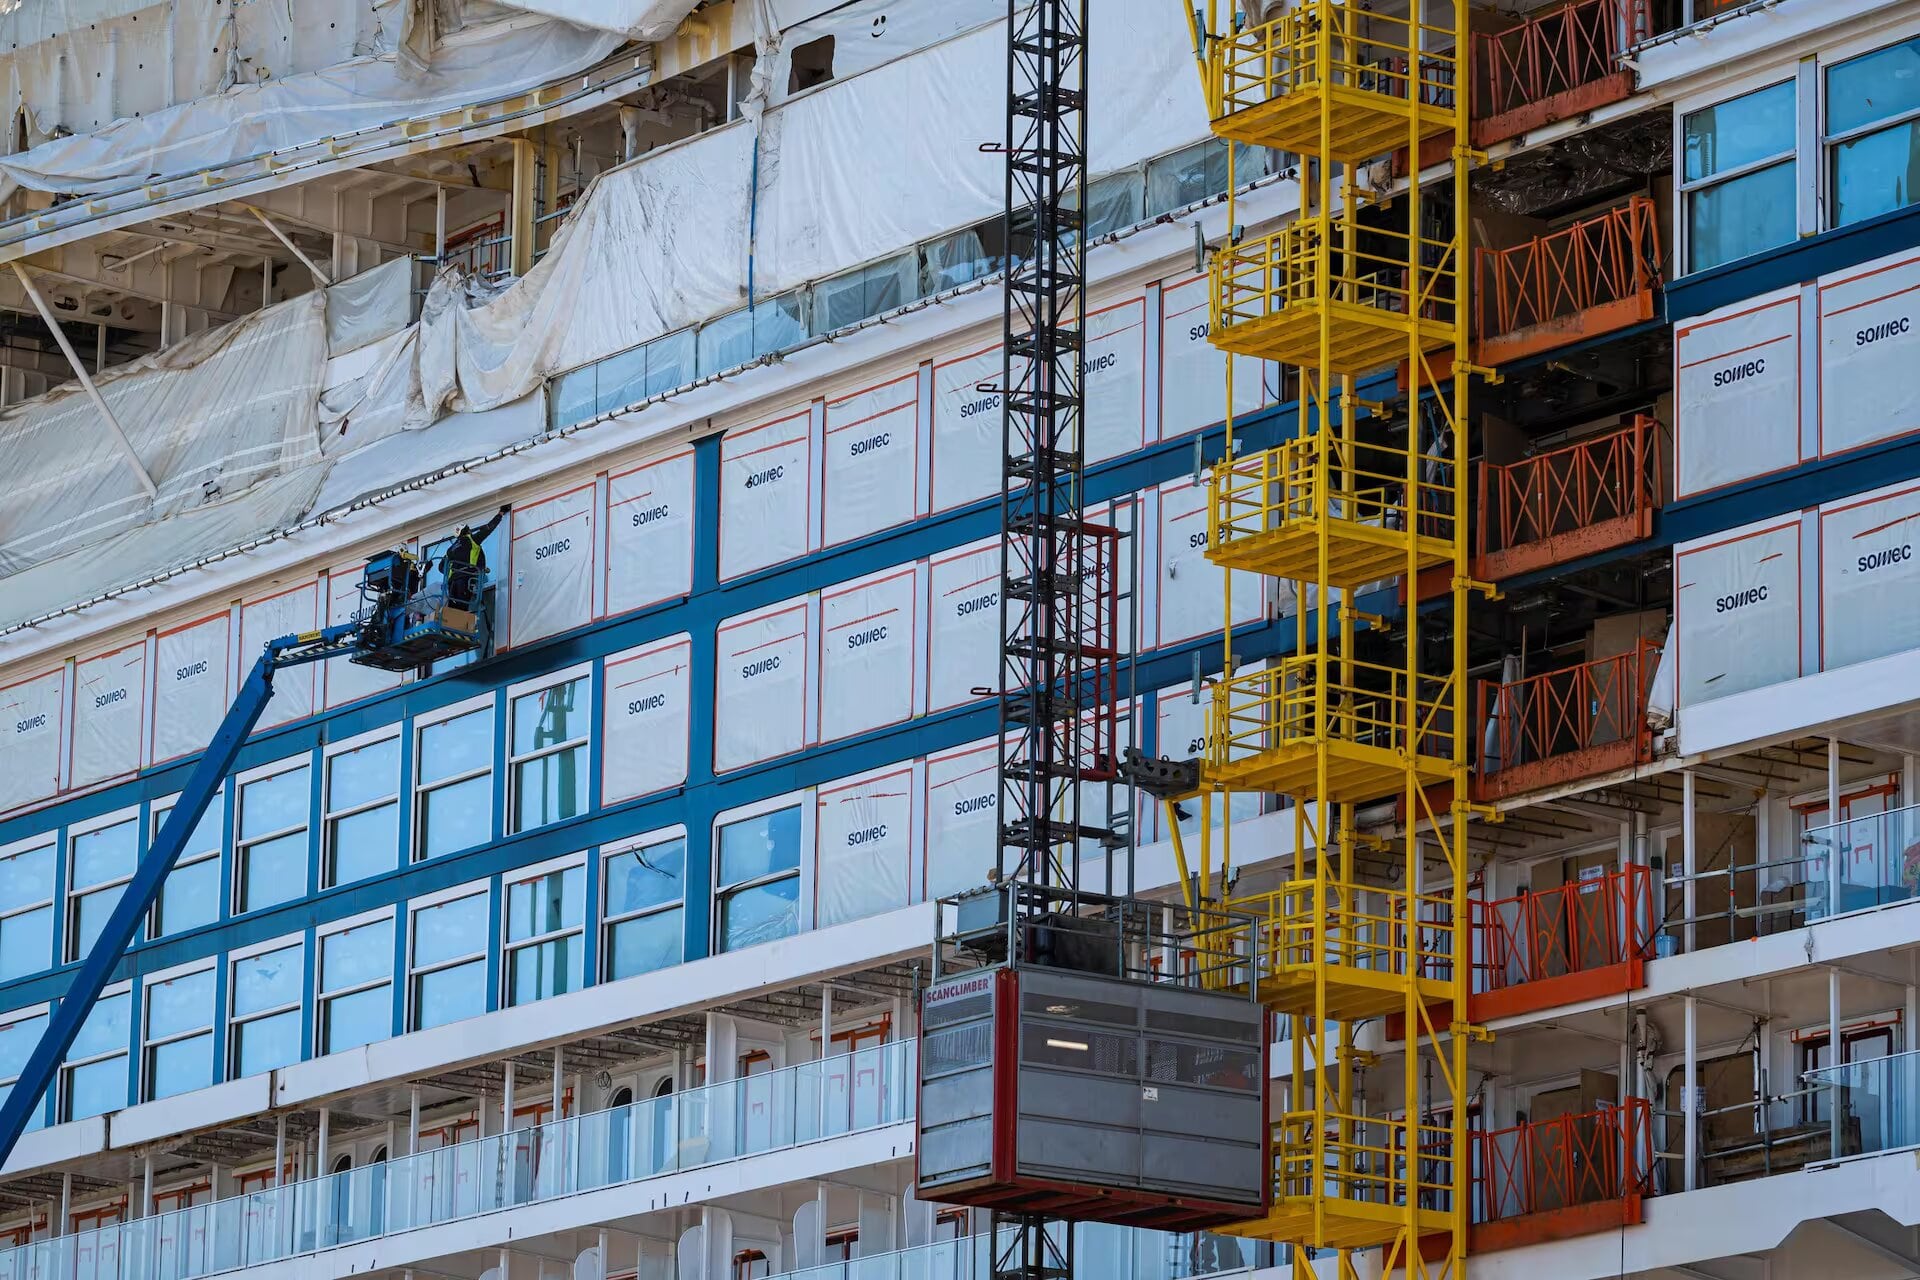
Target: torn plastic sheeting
column 376, row 467
column 476, row 65
column 370, row 306
column 649, row 20
column 209, row 418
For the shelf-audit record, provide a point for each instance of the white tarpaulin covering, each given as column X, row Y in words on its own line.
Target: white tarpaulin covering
column 648, row 701
column 866, row 653
column 867, row 33
column 963, row 651
column 1188, row 587
column 963, row 817
column 766, row 494
column 966, row 428
column 1869, row 351
column 109, row 714
column 1737, row 611
column 1181, row 726
column 284, row 613
column 1737, row 406
column 1869, row 577
column 1114, row 379
column 650, row 532
column 551, row 555
column 189, row 687
column 648, row 20
column 864, row 835
column 370, row 306
column 760, row 696
column 346, row 681
column 872, row 459
column 30, row 714
column 1193, row 378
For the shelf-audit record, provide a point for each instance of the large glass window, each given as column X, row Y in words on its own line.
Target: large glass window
column 447, row 962
column 546, row 935
column 264, row 1032
column 774, row 324
column 549, row 761
column 26, row 911
column 865, row 291
column 363, row 811
column 453, row 790
column 356, row 986
column 1739, row 177
column 178, row 1055
column 190, row 896
column 1873, row 132
column 641, row 906
column 18, row 1035
column 270, row 850
column 758, row 894
column 93, row 1080
column 102, row 861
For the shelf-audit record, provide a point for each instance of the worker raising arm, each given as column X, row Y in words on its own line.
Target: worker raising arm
column 465, row 561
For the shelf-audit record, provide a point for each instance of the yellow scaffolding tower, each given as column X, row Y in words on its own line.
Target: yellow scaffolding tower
column 1357, row 282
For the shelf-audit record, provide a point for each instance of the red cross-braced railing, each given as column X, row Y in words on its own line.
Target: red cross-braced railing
column 1609, row 261
column 1570, row 1160
column 1568, row 724
column 1583, row 497
column 1554, row 52
column 1573, row 928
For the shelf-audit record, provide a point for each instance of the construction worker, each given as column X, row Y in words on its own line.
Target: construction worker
column 465, row 561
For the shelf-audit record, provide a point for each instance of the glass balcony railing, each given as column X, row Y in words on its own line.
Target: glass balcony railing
column 719, row 1122
column 1867, row 861
column 1870, row 1106
column 1110, row 1252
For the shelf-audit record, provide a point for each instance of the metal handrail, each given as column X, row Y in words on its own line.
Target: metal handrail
column 1577, row 926
column 1552, row 52
column 1576, row 486
column 1572, row 1159
column 1607, row 258
column 1365, row 51
column 1255, row 711
column 1574, row 708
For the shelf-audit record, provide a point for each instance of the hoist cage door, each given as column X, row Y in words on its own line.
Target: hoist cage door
column 1093, row 1099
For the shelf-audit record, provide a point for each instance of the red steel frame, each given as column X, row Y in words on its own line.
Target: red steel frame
column 1555, row 64
column 1566, row 725
column 1591, row 278
column 1576, row 500
column 1584, row 939
column 1555, row 1179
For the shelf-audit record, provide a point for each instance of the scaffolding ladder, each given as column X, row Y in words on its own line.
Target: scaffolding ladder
column 1362, row 281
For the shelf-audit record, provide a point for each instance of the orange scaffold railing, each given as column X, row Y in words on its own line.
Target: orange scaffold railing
column 1591, row 278
column 1582, row 1159
column 1556, row 63
column 1565, row 725
column 1584, row 497
column 1583, row 926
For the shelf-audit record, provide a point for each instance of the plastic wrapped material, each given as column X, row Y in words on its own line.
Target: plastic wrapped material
column 648, row 20
column 872, row 459
column 190, row 687
column 283, row 613
column 1188, row 586
column 370, row 306
column 1869, row 349
column 1737, row 611
column 30, row 715
column 349, row 681
column 760, row 695
column 550, row 559
column 648, row 702
column 1114, row 379
column 1869, row 576
column 650, row 532
column 864, row 838
column 966, row 427
column 867, row 33
column 1737, row 394
column 1193, row 373
column 963, row 818
column 963, row 615
column 867, row 651
column 766, row 494
column 109, row 714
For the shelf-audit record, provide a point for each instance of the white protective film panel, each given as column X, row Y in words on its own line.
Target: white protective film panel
column 1869, row 349
column 766, row 494
column 760, row 699
column 1189, row 592
column 963, row 818
column 864, row 843
column 650, row 533
column 1193, row 373
column 1869, row 579
column 963, row 650
column 1114, row 381
column 1737, row 403
column 1181, row 726
column 1737, row 613
column 866, row 654
column 873, row 459
column 30, row 739
column 285, row 613
column 189, row 687
column 552, row 559
column 966, row 428
column 648, row 703
column 346, row 681
column 109, row 710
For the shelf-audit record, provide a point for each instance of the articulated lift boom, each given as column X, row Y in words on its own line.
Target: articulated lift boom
column 399, row 627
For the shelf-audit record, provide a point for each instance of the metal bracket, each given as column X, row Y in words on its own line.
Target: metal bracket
column 1488, row 589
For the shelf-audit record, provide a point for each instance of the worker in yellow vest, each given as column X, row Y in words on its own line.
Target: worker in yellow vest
column 465, row 562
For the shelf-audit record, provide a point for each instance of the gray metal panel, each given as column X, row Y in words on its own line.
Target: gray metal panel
column 1198, row 1166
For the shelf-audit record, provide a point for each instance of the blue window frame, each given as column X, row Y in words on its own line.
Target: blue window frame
column 447, row 960
column 19, row 1032
column 263, row 1030
column 354, row 1004
column 100, row 862
column 453, row 783
column 549, row 769
column 757, row 898
column 178, row 1051
column 190, row 896
column 361, row 834
column 273, row 828
column 93, row 1079
column 1873, row 132
column 545, row 934
column 642, row 907
column 26, row 911
column 1739, row 174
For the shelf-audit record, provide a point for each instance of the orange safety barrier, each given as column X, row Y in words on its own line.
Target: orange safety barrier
column 1565, row 725
column 1554, row 1179
column 1595, row 933
column 1581, row 498
column 1555, row 64
column 1591, row 278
